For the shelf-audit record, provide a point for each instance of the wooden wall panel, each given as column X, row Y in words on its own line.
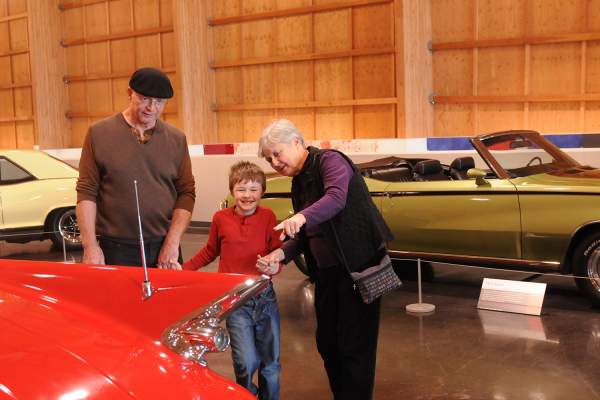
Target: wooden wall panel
column 541, row 79
column 257, row 39
column 17, row 115
column 4, row 37
column 254, row 123
column 18, row 34
column 257, row 6
column 258, row 84
column 554, row 117
column 8, row 137
column 7, row 106
column 230, row 124
column 295, row 82
column 593, row 15
column 21, row 72
column 548, row 17
column 453, row 72
column 23, row 102
column 6, row 68
column 334, row 123
column 552, row 61
column 500, row 19
column 225, row 8
column 228, row 84
column 373, row 122
column 283, row 67
column 500, row 71
column 333, row 79
column 366, row 33
column 453, row 120
column 499, row 117
column 100, row 63
column 294, row 35
column 147, row 51
column 367, row 67
column 304, row 119
column 333, row 31
column 121, row 16
column 592, row 117
column 122, row 55
column 592, row 69
column 25, row 134
column 227, row 42
column 17, row 6
column 452, row 20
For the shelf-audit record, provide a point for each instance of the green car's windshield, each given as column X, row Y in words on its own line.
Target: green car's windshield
column 522, row 154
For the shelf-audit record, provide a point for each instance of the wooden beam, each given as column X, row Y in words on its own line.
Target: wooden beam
column 13, row 17
column 14, row 52
column 295, row 11
column 116, row 36
column 65, row 5
column 113, row 75
column 48, row 64
column 194, row 44
column 472, row 44
column 17, row 119
column 302, row 57
column 15, row 85
column 83, row 114
column 418, row 68
column 306, row 104
column 516, row 99
column 399, row 68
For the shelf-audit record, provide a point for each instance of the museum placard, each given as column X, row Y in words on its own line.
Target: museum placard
column 512, row 296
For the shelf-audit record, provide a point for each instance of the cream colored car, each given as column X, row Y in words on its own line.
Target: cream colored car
column 37, row 198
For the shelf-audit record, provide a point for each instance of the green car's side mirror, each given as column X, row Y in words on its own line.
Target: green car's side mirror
column 478, row 175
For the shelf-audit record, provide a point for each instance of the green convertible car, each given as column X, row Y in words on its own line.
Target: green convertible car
column 531, row 207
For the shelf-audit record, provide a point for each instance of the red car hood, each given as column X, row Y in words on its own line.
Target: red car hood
column 85, row 332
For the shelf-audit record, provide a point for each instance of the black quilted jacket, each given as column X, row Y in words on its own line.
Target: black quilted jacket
column 358, row 230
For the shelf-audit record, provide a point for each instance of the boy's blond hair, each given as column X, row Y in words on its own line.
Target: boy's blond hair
column 246, row 171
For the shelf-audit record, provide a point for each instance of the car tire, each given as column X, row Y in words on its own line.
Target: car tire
column 586, row 264
column 62, row 224
column 301, row 264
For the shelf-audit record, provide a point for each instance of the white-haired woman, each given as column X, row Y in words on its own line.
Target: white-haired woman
column 339, row 229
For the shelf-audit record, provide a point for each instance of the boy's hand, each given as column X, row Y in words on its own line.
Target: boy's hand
column 291, row 226
column 270, row 264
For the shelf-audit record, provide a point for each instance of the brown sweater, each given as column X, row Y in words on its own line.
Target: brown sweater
column 112, row 157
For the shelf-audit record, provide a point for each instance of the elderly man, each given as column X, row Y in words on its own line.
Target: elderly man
column 135, row 145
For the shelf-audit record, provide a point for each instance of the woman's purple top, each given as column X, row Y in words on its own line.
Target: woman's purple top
column 336, row 174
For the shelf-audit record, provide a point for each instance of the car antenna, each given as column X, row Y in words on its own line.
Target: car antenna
column 147, row 289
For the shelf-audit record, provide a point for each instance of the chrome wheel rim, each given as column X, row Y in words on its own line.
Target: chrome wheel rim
column 68, row 228
column 593, row 265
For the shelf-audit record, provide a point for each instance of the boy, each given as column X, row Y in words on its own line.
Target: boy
column 239, row 235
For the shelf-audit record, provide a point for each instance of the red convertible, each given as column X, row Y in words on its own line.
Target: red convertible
column 88, row 332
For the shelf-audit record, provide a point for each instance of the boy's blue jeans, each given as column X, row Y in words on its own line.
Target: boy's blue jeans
column 254, row 332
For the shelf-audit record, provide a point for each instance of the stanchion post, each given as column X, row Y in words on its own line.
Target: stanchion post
column 64, row 245
column 420, row 307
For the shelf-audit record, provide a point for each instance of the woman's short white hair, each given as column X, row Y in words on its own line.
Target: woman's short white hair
column 278, row 131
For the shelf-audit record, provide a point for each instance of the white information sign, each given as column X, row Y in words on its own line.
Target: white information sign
column 512, row 296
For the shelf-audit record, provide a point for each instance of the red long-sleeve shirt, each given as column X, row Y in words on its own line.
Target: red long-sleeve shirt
column 238, row 240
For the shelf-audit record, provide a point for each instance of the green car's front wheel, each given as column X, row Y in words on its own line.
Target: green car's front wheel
column 301, row 264
column 586, row 264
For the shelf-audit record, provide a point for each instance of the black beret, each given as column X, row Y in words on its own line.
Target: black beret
column 151, row 82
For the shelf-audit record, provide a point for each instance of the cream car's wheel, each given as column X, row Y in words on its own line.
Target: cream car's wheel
column 63, row 225
column 586, row 264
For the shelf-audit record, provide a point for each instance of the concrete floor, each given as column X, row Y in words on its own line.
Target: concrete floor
column 458, row 352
